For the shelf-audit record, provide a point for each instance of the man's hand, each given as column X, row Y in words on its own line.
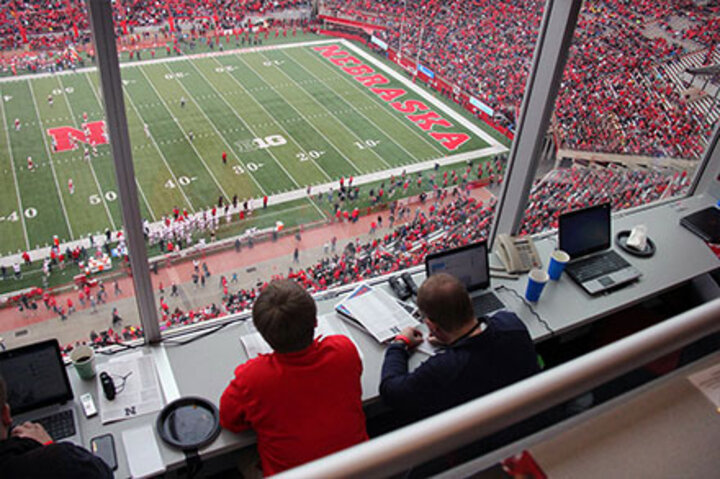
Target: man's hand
column 432, row 339
column 31, row 430
column 413, row 335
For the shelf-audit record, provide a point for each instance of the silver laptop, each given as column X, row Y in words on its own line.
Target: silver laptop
column 585, row 235
column 470, row 265
column 39, row 389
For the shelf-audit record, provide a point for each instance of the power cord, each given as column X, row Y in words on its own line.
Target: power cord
column 214, row 330
column 122, row 347
column 529, row 306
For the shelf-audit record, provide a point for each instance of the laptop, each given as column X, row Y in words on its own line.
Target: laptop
column 470, row 265
column 704, row 223
column 585, row 235
column 39, row 389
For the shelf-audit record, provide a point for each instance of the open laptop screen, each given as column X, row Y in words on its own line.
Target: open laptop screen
column 585, row 231
column 468, row 263
column 35, row 376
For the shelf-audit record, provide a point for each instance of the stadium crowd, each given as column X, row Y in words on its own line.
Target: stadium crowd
column 610, row 99
column 440, row 218
column 576, row 187
column 38, row 36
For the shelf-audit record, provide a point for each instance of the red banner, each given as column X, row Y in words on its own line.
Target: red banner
column 343, row 35
column 352, row 23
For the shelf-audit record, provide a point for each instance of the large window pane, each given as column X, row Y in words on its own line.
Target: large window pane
column 60, row 223
column 630, row 122
column 260, row 154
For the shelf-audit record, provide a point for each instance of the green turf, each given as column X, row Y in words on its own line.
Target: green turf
column 287, row 118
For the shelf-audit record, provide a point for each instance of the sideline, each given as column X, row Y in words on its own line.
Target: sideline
column 236, row 51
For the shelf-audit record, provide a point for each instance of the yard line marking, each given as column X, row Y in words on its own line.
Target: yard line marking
column 52, row 166
column 253, row 132
column 137, row 64
column 267, row 113
column 12, row 167
column 217, row 132
column 232, row 150
column 142, row 193
column 358, row 110
column 456, row 116
column 328, row 110
column 378, row 101
column 222, row 190
column 162, row 155
column 282, row 167
column 305, row 118
column 92, row 168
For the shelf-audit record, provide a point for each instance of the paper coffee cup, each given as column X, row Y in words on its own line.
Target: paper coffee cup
column 558, row 260
column 536, row 282
column 83, row 358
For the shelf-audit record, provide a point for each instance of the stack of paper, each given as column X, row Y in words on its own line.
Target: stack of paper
column 137, row 387
column 376, row 312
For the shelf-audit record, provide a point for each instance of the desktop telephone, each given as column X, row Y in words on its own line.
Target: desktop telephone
column 518, row 255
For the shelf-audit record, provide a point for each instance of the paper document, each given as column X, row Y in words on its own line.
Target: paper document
column 378, row 312
column 708, row 382
column 137, row 388
column 328, row 325
column 142, row 452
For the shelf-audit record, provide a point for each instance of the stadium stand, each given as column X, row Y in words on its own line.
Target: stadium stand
column 622, row 92
column 486, row 49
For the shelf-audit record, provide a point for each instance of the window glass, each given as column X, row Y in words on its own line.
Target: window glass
column 634, row 112
column 63, row 272
column 268, row 140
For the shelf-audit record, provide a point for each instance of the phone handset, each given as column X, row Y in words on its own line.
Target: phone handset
column 518, row 255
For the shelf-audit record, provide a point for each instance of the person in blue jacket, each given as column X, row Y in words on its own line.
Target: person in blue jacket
column 480, row 355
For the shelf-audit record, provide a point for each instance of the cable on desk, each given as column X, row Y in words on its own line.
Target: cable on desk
column 529, row 306
column 122, row 347
column 214, row 330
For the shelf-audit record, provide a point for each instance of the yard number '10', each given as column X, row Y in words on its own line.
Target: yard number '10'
column 268, row 141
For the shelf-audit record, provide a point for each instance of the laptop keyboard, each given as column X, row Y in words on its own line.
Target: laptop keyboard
column 59, row 425
column 596, row 266
column 486, row 303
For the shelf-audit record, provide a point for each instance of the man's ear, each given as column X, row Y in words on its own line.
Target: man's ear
column 436, row 330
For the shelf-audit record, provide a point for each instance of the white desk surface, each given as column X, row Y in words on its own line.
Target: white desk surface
column 680, row 256
column 204, row 367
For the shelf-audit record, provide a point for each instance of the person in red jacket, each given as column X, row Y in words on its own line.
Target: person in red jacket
column 303, row 400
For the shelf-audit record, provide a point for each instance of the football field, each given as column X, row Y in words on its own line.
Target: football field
column 286, row 117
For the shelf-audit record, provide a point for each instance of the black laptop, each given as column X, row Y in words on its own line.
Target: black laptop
column 585, row 235
column 39, row 389
column 704, row 223
column 470, row 265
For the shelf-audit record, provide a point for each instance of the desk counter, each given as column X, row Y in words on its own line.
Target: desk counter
column 204, row 367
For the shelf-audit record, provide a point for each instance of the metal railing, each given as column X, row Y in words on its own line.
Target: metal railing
column 439, row 434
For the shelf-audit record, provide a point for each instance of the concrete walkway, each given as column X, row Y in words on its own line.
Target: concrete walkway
column 261, row 262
